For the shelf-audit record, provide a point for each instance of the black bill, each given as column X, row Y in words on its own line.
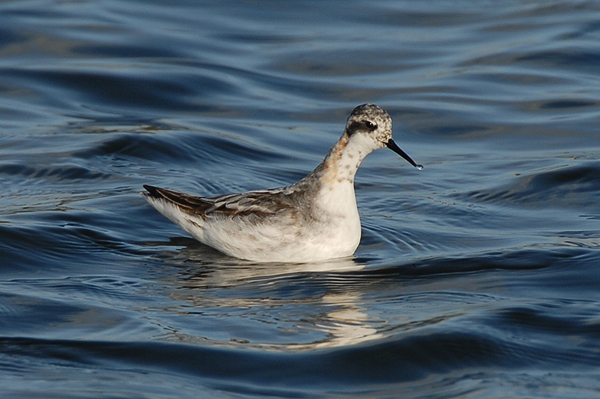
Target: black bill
column 394, row 147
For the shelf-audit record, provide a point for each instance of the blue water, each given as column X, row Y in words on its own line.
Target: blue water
column 477, row 277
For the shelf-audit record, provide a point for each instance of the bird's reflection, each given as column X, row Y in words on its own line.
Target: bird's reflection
column 312, row 305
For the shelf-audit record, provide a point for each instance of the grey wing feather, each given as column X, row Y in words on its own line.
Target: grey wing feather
column 263, row 203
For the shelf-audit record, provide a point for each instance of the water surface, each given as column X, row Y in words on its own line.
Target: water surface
column 476, row 277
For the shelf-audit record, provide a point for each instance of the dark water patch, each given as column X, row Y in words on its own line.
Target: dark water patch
column 565, row 104
column 403, row 360
column 424, row 17
column 501, row 260
column 9, row 37
column 8, row 308
column 525, row 78
column 568, row 187
column 394, row 361
column 223, row 148
column 561, row 110
column 521, row 60
column 460, row 130
column 199, row 150
column 121, row 91
column 17, row 170
column 58, row 173
column 32, row 14
column 581, row 238
column 576, row 58
column 153, row 147
column 52, row 248
column 585, row 30
column 127, row 50
column 577, row 319
column 16, row 248
column 89, row 306
column 34, row 311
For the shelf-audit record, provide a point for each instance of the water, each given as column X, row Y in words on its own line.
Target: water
column 476, row 277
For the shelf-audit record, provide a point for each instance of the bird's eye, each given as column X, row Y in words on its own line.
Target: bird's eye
column 370, row 125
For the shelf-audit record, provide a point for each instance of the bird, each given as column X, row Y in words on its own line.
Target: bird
column 315, row 219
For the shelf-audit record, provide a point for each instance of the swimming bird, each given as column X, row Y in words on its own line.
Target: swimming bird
column 312, row 220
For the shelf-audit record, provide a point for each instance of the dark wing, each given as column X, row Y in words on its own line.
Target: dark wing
column 187, row 203
column 259, row 203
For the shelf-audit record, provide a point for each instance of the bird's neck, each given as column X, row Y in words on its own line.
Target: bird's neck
column 342, row 162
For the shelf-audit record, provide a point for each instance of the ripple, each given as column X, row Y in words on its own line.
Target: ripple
column 390, row 362
column 477, row 277
column 112, row 91
column 570, row 187
column 53, row 173
column 578, row 318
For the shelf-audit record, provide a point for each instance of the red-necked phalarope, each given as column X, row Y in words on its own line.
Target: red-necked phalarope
column 312, row 220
